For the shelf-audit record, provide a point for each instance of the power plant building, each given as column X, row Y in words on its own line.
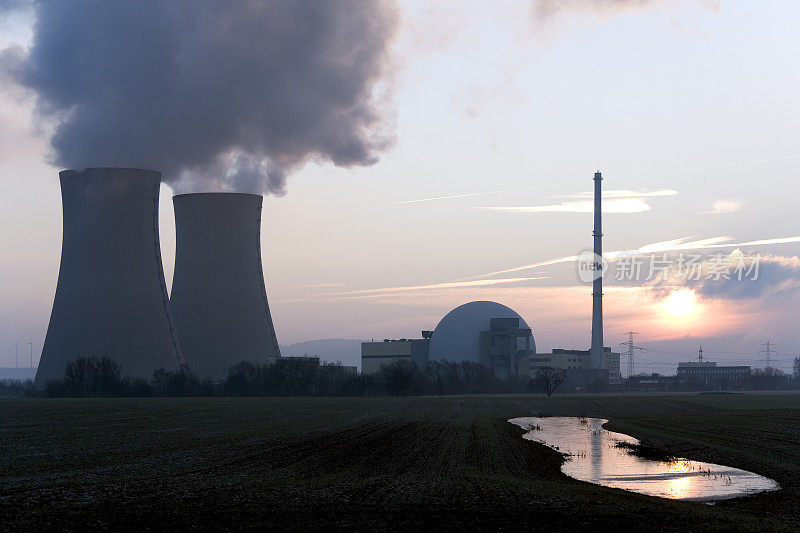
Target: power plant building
column 482, row 332
column 707, row 372
column 576, row 360
column 111, row 299
column 218, row 296
column 477, row 331
column 376, row 354
column 505, row 347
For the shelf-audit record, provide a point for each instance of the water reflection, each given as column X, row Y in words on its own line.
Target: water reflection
column 595, row 457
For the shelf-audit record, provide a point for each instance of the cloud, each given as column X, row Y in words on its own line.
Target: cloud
column 738, row 275
column 724, row 206
column 617, row 201
column 626, row 193
column 545, row 10
column 482, row 193
column 216, row 95
column 626, row 205
column 620, row 193
column 321, row 285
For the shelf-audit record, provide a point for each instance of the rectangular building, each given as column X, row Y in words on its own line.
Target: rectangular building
column 708, row 374
column 505, row 347
column 575, row 360
column 388, row 351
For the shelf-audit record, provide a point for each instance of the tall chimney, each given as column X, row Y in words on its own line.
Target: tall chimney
column 596, row 351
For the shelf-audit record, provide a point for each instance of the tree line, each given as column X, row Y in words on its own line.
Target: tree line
column 288, row 376
column 306, row 376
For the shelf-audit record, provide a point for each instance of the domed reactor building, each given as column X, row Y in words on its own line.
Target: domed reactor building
column 484, row 332
column 218, row 295
column 111, row 300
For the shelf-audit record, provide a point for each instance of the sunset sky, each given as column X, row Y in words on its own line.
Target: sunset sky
column 499, row 115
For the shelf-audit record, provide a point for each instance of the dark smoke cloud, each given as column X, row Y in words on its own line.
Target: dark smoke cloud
column 216, row 94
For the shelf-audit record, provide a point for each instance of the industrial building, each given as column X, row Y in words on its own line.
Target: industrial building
column 482, row 332
column 505, row 347
column 497, row 337
column 707, row 373
column 219, row 299
column 466, row 333
column 111, row 299
column 576, row 360
column 376, row 354
column 649, row 383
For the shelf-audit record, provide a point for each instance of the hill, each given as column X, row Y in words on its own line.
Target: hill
column 348, row 351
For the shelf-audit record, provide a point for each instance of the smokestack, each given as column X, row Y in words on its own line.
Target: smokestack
column 596, row 351
column 111, row 299
column 218, row 294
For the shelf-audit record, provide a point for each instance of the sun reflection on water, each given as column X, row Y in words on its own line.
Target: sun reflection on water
column 594, row 455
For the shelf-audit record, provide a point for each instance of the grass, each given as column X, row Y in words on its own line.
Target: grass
column 449, row 463
column 647, row 450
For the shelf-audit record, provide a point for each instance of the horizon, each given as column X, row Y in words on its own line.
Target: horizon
column 499, row 118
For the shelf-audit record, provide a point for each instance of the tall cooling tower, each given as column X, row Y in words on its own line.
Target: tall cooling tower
column 111, row 299
column 218, row 294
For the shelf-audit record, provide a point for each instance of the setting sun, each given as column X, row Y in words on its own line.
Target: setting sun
column 680, row 303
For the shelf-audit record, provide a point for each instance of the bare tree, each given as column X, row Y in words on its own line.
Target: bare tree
column 549, row 379
column 397, row 377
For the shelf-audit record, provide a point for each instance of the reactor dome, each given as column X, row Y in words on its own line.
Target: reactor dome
column 457, row 336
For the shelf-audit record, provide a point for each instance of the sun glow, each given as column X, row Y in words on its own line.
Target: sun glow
column 680, row 303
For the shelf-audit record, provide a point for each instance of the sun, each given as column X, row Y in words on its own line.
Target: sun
column 680, row 303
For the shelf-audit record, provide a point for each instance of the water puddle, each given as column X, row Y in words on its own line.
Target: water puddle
column 595, row 456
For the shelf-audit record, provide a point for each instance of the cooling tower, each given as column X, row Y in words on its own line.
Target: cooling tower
column 111, row 299
column 218, row 296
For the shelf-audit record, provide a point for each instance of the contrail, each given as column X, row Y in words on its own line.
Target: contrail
column 626, row 193
column 741, row 163
column 381, row 291
column 485, row 193
column 663, row 246
column 666, row 192
column 624, row 205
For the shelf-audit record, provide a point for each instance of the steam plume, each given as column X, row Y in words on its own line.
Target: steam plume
column 216, row 94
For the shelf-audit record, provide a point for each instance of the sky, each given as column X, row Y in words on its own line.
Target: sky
column 498, row 116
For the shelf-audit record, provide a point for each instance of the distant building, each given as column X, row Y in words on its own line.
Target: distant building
column 376, row 354
column 505, row 347
column 488, row 333
column 312, row 360
column 575, row 360
column 649, row 383
column 484, row 332
column 708, row 374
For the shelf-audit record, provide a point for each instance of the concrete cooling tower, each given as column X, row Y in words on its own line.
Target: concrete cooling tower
column 111, row 299
column 218, row 295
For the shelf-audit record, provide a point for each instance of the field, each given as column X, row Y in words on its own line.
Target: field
column 449, row 463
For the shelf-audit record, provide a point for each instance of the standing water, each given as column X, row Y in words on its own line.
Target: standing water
column 595, row 455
